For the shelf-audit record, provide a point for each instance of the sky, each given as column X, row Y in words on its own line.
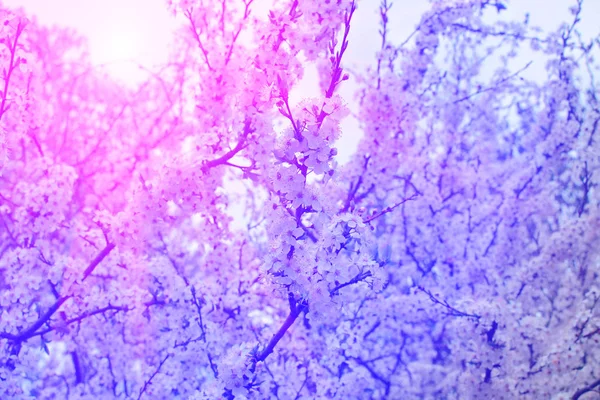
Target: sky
column 124, row 33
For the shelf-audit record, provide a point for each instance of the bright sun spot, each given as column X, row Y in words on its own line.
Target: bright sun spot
column 121, row 34
column 120, row 50
column 119, row 45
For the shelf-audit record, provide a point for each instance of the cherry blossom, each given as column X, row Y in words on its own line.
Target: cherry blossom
column 195, row 237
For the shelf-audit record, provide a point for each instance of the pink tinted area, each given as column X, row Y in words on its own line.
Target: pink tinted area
column 121, row 34
column 453, row 255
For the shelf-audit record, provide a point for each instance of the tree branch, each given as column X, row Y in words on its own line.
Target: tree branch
column 389, row 209
column 373, row 373
column 188, row 14
column 358, row 278
column 11, row 67
column 586, row 389
column 87, row 314
column 198, row 305
column 31, row 331
column 105, row 252
column 289, row 321
column 206, row 165
column 452, row 311
column 149, row 381
column 487, row 89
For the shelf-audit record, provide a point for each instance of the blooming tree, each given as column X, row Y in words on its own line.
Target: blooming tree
column 455, row 256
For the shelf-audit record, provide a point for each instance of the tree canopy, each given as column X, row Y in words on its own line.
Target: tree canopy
column 456, row 255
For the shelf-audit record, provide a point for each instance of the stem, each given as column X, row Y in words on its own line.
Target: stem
column 198, row 305
column 105, row 252
column 231, row 153
column 11, row 67
column 373, row 373
column 389, row 209
column 586, row 389
column 149, row 381
column 31, row 331
column 452, row 311
column 189, row 16
column 289, row 321
column 358, row 278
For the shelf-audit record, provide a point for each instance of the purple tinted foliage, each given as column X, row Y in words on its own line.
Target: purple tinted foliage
column 455, row 256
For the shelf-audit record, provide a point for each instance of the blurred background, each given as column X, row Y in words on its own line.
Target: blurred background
column 124, row 34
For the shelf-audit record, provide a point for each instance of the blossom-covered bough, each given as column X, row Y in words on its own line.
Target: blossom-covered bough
column 455, row 256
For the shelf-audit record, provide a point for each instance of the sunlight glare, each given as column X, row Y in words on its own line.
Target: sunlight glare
column 122, row 34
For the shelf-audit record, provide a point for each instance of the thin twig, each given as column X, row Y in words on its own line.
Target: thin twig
column 389, row 209
column 358, row 278
column 487, row 89
column 452, row 311
column 11, row 67
column 149, row 381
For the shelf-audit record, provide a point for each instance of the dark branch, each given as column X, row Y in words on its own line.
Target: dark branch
column 358, row 278
column 206, row 165
column 586, row 389
column 80, row 318
column 198, row 304
column 389, row 209
column 149, row 381
column 105, row 252
column 373, row 373
column 452, row 311
column 289, row 321
column 31, row 331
